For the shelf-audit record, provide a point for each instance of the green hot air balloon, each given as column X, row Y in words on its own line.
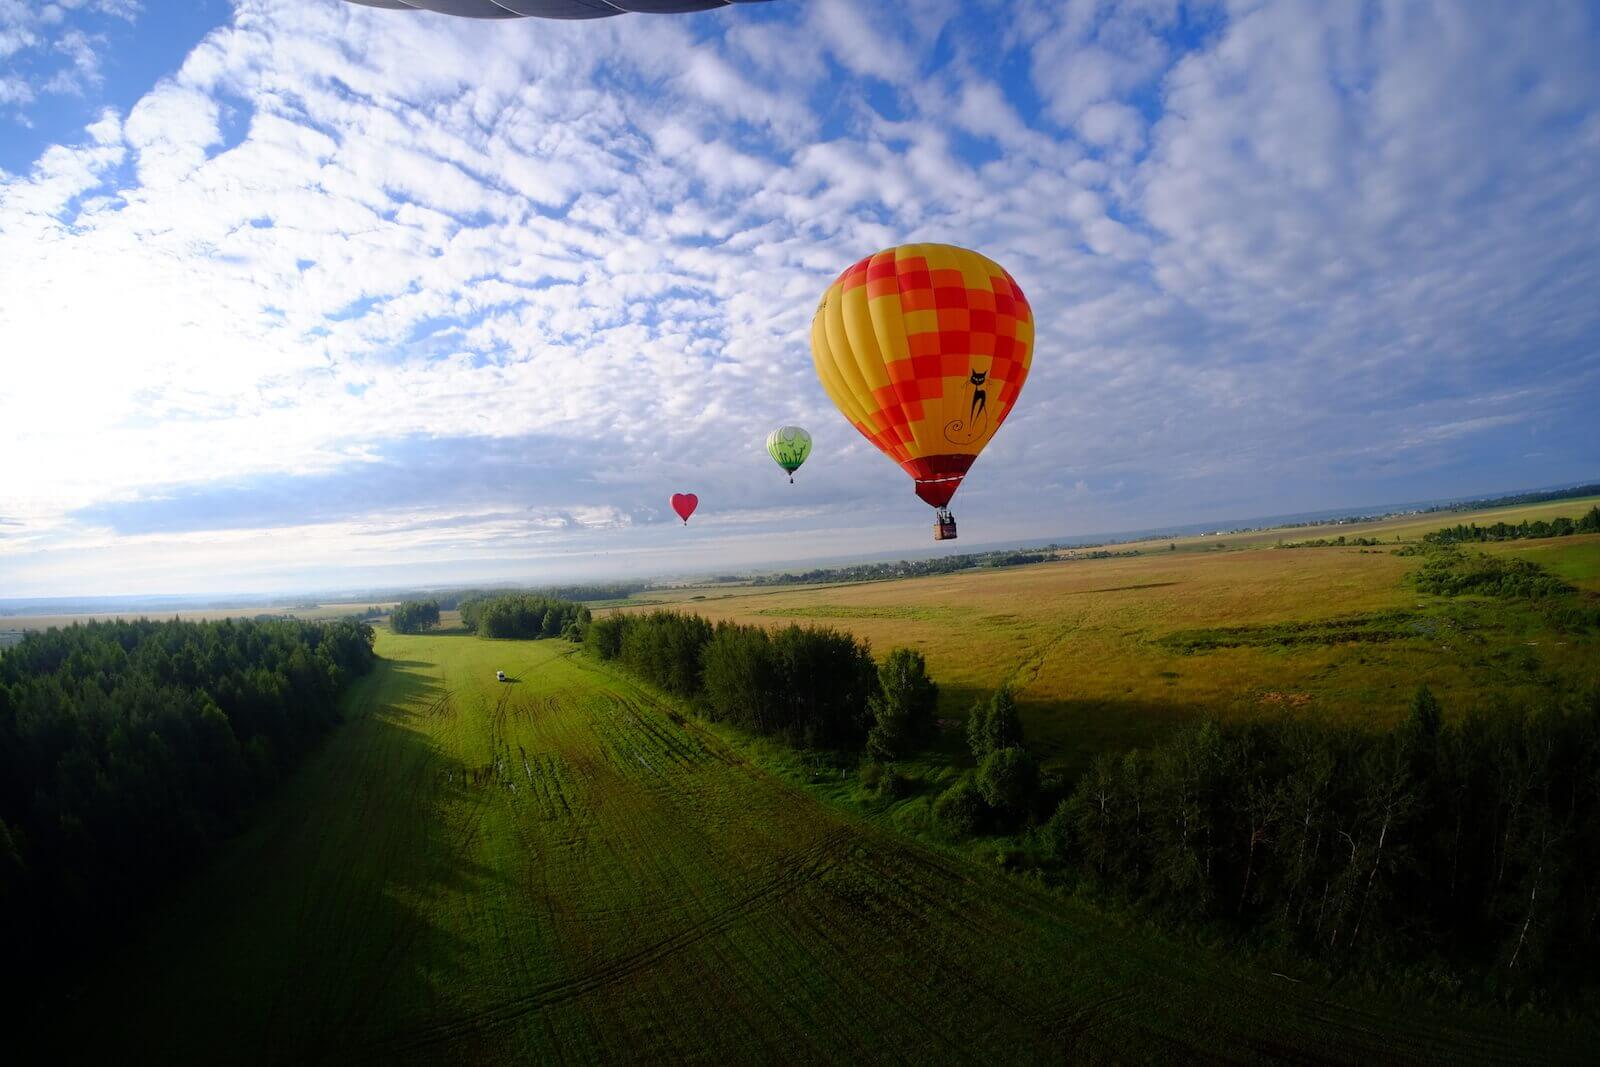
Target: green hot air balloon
column 789, row 446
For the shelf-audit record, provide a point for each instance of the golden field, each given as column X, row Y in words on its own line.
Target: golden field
column 1097, row 649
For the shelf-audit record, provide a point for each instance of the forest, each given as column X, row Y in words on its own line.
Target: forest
column 128, row 750
column 524, row 615
column 1472, row 844
column 812, row 687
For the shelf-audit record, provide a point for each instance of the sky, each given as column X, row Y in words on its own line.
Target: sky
column 296, row 294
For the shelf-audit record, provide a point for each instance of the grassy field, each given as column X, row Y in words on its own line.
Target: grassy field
column 563, row 869
column 1397, row 528
column 1109, row 653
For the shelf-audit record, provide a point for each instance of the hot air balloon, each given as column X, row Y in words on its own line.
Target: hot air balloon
column 789, row 446
column 551, row 9
column 684, row 504
column 924, row 349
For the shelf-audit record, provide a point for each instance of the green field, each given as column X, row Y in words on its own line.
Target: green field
column 563, row 868
column 567, row 868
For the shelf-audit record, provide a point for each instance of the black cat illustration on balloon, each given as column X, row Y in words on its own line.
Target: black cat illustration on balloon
column 965, row 431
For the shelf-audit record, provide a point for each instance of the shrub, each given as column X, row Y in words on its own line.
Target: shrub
column 1007, row 780
column 870, row 774
column 1450, row 572
column 960, row 809
column 893, row 785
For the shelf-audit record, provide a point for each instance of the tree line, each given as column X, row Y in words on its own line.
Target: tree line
column 810, row 686
column 918, row 568
column 452, row 599
column 414, row 616
column 128, row 750
column 1561, row 526
column 525, row 615
column 1544, row 496
column 1331, row 542
column 1475, row 844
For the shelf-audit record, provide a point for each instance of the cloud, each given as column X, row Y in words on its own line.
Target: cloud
column 310, row 290
column 46, row 52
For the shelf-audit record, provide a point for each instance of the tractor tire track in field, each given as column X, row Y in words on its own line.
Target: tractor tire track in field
column 1026, row 671
column 661, row 892
column 796, row 872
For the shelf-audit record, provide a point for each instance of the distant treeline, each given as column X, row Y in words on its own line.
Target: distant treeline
column 1505, row 531
column 1330, row 542
column 452, row 599
column 524, row 615
column 809, row 686
column 414, row 616
column 1592, row 489
column 1474, row 844
column 129, row 749
column 867, row 572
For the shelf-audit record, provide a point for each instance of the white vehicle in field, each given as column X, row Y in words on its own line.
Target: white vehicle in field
column 499, row 676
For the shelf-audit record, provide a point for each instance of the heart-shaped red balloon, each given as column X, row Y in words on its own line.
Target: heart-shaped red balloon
column 684, row 504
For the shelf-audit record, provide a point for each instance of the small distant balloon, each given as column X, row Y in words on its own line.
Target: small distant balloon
column 789, row 446
column 684, row 504
column 551, row 9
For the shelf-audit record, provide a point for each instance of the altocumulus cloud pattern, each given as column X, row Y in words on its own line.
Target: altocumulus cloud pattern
column 553, row 9
column 302, row 291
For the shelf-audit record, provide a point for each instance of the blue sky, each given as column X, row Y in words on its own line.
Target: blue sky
column 299, row 294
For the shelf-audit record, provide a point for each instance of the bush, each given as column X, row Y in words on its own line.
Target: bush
column 1056, row 834
column 1007, row 780
column 1451, row 572
column 960, row 809
column 870, row 774
column 893, row 785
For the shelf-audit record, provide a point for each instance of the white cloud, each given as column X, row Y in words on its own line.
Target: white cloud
column 310, row 258
column 46, row 52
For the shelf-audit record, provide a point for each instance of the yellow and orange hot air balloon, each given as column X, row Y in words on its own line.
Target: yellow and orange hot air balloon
column 924, row 348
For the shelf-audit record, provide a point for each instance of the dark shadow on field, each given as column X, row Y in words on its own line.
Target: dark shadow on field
column 300, row 940
column 1066, row 735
